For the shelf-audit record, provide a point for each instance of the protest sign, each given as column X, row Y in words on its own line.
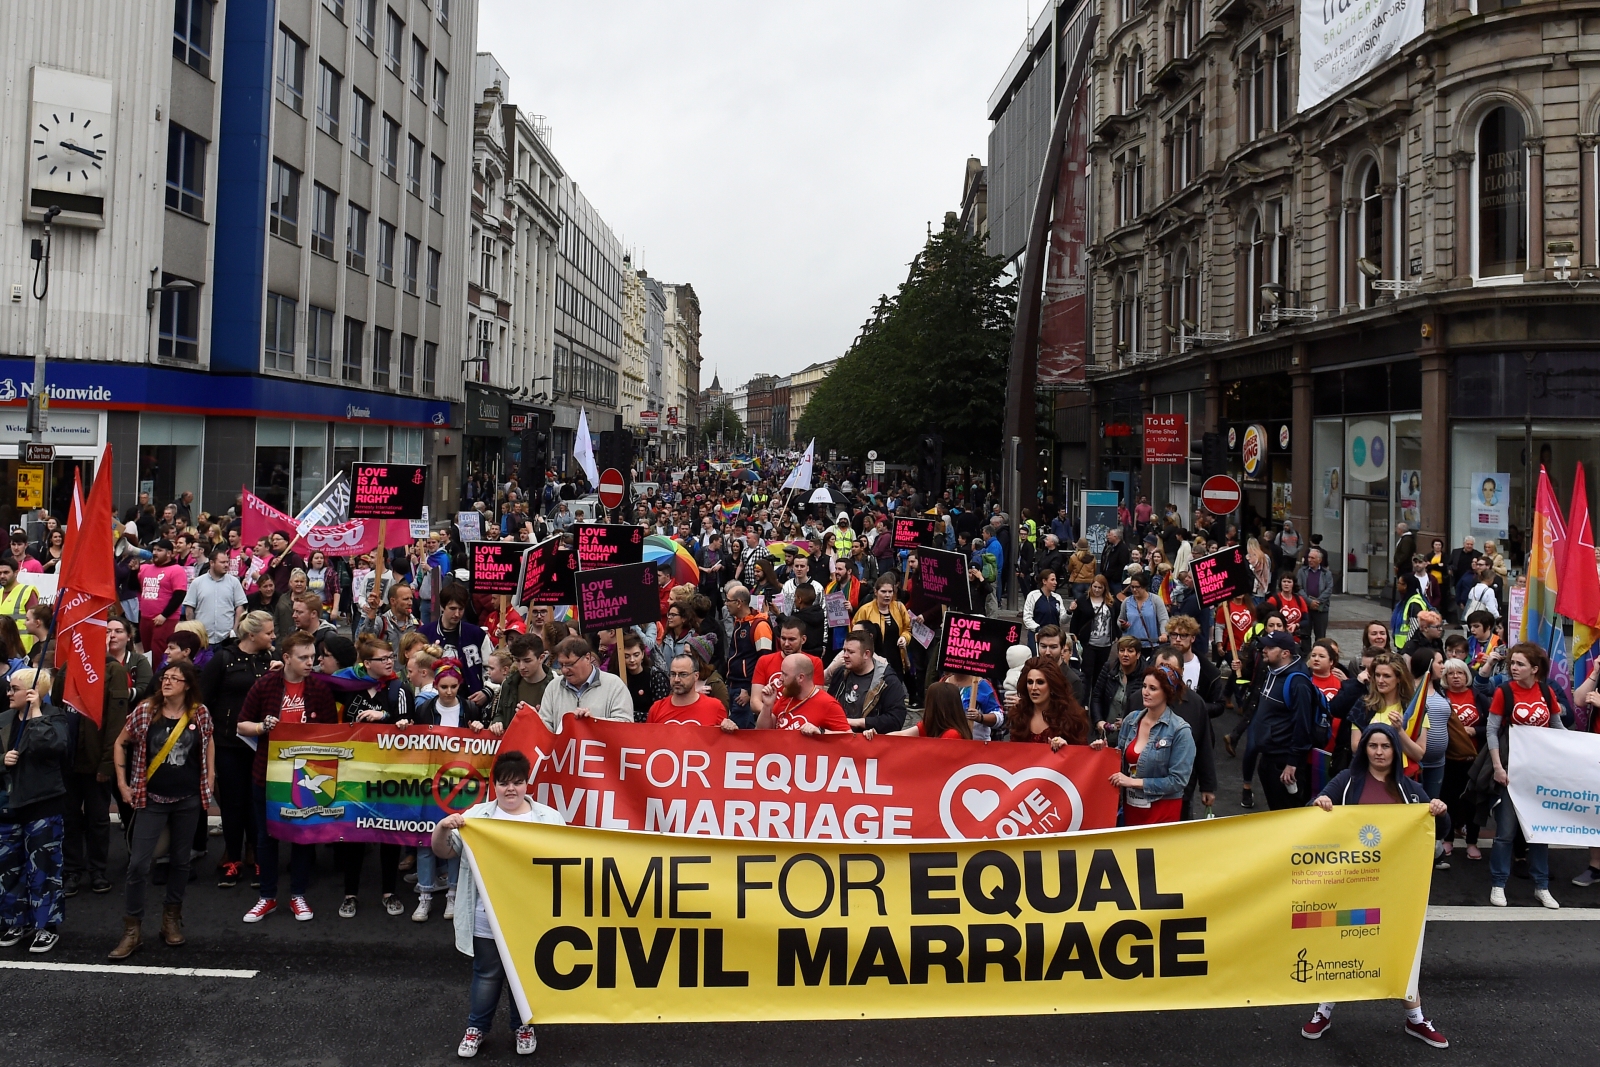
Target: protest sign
column 913, row 532
column 387, row 490
column 618, row 596
column 1222, row 576
column 367, row 782
column 976, row 644
column 836, row 608
column 354, row 538
column 608, row 544
column 941, row 578
column 470, row 523
column 548, row 570
column 777, row 783
column 494, row 566
column 1554, row 786
column 1287, row 907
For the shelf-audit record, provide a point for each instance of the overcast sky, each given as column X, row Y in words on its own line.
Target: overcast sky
column 786, row 159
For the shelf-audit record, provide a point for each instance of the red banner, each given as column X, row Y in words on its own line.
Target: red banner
column 1166, row 439
column 354, row 538
column 1063, row 324
column 780, row 784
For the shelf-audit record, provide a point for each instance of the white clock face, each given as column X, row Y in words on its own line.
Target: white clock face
column 69, row 149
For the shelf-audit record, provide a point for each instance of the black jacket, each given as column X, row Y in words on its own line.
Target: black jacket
column 224, row 684
column 1114, row 560
column 1354, row 779
column 885, row 699
column 1081, row 622
column 1193, row 710
column 816, row 629
column 1105, row 688
column 1285, row 714
column 428, row 713
column 44, row 748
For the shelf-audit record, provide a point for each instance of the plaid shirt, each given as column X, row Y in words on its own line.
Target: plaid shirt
column 138, row 727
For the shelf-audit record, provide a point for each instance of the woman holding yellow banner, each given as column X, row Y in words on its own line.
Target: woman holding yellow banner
column 1374, row 777
column 474, row 933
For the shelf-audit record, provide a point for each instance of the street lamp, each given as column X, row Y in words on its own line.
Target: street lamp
column 152, row 296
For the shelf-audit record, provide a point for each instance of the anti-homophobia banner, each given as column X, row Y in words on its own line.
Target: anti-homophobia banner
column 1554, row 785
column 369, row 782
column 778, row 784
column 1289, row 907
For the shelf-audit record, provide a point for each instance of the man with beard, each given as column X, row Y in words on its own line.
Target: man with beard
column 766, row 683
column 803, row 706
column 873, row 694
column 686, row 705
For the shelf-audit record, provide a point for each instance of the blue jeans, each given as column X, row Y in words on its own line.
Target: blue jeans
column 300, row 856
column 1505, row 834
column 488, row 982
column 428, row 869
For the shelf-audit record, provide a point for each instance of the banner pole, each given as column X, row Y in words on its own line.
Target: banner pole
column 622, row 659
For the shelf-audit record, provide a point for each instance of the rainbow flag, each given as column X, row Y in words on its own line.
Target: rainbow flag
column 1579, row 596
column 1415, row 727
column 728, row 511
column 1541, row 625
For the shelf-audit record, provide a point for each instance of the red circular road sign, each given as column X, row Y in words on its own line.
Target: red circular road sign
column 611, row 487
column 1220, row 494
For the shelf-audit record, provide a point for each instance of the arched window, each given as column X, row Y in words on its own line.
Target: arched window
column 1119, row 86
column 1135, row 78
column 1370, row 231
column 1500, row 195
column 1256, row 271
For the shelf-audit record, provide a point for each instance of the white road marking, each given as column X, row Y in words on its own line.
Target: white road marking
column 113, row 968
column 1489, row 914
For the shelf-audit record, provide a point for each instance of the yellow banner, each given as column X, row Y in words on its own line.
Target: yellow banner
column 1286, row 907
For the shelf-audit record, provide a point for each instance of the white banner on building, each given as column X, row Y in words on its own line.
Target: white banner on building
column 1343, row 40
column 1555, row 785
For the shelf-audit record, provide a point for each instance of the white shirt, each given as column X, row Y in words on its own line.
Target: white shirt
column 1481, row 598
column 491, row 810
column 448, row 716
column 1191, row 672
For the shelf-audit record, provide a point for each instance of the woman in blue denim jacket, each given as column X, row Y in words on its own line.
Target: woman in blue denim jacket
column 1157, row 752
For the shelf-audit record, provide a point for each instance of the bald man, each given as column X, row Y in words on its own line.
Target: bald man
column 803, row 706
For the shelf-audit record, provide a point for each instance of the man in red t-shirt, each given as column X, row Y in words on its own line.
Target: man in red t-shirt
column 766, row 684
column 687, row 706
column 803, row 706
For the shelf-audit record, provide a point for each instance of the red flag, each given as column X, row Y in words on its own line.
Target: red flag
column 89, row 589
column 1578, row 595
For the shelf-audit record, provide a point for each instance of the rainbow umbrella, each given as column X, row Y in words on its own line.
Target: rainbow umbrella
column 673, row 558
column 775, row 549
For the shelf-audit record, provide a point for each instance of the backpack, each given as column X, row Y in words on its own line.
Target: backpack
column 991, row 568
column 1321, row 714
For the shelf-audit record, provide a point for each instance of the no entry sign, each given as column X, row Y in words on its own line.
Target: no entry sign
column 1220, row 495
column 611, row 487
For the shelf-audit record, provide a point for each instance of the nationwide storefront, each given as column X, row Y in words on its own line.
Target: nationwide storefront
column 213, row 434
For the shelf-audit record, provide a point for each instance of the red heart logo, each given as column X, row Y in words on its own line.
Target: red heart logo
column 983, row 800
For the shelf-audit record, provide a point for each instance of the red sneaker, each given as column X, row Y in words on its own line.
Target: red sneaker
column 1424, row 1031
column 261, row 910
column 1317, row 1026
column 301, row 909
column 228, row 875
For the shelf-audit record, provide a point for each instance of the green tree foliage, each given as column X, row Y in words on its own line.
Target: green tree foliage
column 726, row 420
column 931, row 357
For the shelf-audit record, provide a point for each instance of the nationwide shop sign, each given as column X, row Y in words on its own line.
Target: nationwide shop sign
column 941, row 580
column 387, row 490
column 777, row 783
column 913, row 532
column 1222, row 576
column 494, row 566
column 1286, row 907
column 547, row 575
column 608, row 544
column 367, row 782
column 614, row 597
column 977, row 644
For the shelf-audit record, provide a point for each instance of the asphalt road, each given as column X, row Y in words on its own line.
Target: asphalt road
column 381, row 990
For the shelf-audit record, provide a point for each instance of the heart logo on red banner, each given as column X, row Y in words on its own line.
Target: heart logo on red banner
column 982, row 800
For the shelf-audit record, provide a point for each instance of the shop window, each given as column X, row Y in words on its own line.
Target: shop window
column 1500, row 196
column 359, row 444
column 407, row 445
column 169, row 455
column 290, row 462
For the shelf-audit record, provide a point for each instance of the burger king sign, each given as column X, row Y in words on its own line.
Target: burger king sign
column 1254, row 449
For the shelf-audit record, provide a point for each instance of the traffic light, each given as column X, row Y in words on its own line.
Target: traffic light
column 930, row 464
column 614, row 448
column 535, row 456
column 1213, row 455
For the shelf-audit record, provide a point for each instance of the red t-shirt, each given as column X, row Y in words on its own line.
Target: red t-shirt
column 922, row 731
column 770, row 666
column 705, row 711
column 1329, row 687
column 819, row 710
column 294, row 702
column 1464, row 708
column 1528, row 707
column 1240, row 616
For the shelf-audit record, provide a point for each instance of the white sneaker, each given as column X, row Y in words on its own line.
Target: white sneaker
column 526, row 1041
column 450, row 904
column 469, row 1043
column 424, row 905
column 1497, row 896
column 1543, row 896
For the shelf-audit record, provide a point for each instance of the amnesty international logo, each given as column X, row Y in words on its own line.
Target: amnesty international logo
column 1302, row 969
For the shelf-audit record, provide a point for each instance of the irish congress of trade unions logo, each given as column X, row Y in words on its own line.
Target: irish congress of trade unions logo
column 1371, row 836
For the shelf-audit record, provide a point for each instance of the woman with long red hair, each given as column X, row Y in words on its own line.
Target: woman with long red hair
column 1046, row 710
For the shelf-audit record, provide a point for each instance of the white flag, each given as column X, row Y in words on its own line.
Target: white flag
column 583, row 449
column 327, row 508
column 800, row 477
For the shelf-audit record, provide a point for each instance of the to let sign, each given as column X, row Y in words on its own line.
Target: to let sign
column 608, row 544
column 1166, row 439
column 387, row 491
column 618, row 596
column 494, row 566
